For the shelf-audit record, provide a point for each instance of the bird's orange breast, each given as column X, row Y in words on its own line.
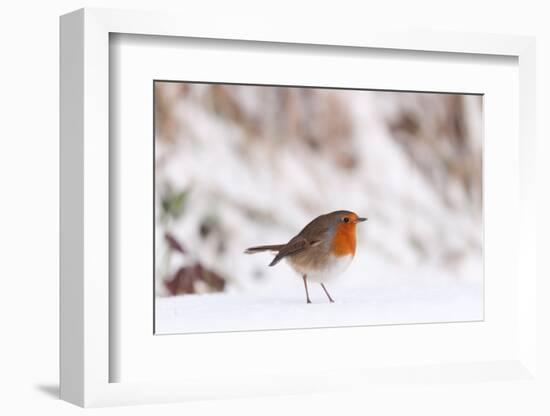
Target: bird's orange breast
column 343, row 242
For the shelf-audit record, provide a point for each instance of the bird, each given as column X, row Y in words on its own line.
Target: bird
column 321, row 251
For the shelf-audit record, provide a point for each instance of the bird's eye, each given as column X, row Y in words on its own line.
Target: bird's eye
column 346, row 219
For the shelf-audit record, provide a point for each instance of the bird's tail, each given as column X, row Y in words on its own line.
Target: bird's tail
column 259, row 249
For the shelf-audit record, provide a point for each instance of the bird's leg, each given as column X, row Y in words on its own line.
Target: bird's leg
column 325, row 289
column 305, row 285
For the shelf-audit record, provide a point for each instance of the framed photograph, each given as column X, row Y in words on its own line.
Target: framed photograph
column 244, row 213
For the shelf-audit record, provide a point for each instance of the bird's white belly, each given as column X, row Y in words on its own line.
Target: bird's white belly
column 336, row 266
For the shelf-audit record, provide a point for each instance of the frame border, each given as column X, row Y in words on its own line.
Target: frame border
column 84, row 222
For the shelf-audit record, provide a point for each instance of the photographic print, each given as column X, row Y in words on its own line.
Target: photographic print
column 284, row 207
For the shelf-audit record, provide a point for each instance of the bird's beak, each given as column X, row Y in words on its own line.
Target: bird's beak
column 360, row 219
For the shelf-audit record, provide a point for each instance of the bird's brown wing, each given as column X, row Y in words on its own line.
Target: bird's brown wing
column 313, row 234
column 294, row 246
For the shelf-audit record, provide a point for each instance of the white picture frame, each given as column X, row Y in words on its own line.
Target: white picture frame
column 86, row 356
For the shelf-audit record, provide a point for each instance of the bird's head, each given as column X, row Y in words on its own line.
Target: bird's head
column 346, row 219
column 344, row 223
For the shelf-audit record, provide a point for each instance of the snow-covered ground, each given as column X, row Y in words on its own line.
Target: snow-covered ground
column 365, row 306
column 359, row 300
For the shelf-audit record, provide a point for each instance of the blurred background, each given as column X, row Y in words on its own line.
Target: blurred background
column 239, row 165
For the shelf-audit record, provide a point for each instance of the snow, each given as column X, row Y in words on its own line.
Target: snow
column 369, row 293
column 377, row 305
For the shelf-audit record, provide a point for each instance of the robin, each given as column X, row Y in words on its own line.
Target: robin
column 321, row 251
